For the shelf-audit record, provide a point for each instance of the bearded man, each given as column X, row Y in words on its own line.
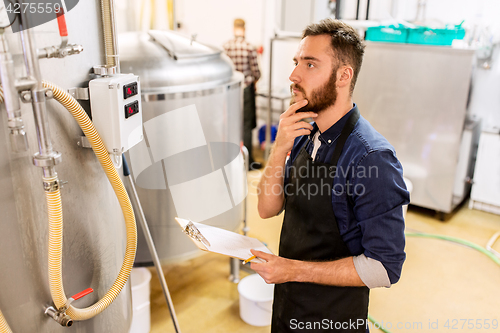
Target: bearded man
column 342, row 190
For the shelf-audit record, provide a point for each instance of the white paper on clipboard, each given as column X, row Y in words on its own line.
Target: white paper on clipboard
column 226, row 242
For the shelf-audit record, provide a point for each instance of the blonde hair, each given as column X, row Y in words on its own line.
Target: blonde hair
column 239, row 23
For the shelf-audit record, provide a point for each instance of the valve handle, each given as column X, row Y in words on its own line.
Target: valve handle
column 82, row 293
column 61, row 22
column 74, row 298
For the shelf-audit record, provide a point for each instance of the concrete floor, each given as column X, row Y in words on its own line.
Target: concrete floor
column 445, row 287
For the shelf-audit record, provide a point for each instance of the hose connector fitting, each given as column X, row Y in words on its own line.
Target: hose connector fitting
column 60, row 315
column 50, row 160
column 18, row 139
column 51, row 185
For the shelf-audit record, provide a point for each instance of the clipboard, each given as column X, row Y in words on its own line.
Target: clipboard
column 217, row 240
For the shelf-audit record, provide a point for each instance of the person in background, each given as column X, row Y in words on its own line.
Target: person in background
column 342, row 191
column 244, row 57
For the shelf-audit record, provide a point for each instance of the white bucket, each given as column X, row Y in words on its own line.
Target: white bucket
column 256, row 300
column 409, row 187
column 141, row 316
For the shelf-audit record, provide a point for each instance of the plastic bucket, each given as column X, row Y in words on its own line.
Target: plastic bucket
column 141, row 316
column 409, row 187
column 256, row 300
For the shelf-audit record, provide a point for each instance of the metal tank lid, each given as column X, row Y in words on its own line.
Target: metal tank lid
column 180, row 47
column 169, row 61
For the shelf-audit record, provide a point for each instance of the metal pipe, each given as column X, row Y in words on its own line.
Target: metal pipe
column 338, row 9
column 270, row 104
column 8, row 80
column 394, row 9
column 367, row 9
column 47, row 157
column 420, row 17
column 234, row 263
column 149, row 240
column 246, row 157
column 357, row 10
column 31, row 57
column 234, row 268
column 18, row 139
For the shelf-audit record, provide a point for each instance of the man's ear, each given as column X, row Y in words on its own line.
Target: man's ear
column 344, row 76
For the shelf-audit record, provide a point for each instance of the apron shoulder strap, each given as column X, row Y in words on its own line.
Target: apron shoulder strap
column 346, row 131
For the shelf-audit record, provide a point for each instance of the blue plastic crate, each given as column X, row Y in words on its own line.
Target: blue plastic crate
column 427, row 36
column 391, row 34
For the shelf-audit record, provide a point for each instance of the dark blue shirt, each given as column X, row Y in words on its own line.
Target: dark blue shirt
column 368, row 192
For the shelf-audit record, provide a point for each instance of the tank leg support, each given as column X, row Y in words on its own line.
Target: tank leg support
column 149, row 240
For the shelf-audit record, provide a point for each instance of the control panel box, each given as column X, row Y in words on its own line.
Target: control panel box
column 115, row 102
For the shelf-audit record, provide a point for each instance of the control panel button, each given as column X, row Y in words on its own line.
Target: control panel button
column 131, row 109
column 129, row 90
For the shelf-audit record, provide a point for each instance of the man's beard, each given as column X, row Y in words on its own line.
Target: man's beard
column 321, row 98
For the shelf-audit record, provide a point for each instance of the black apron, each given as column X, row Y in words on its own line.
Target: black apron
column 310, row 232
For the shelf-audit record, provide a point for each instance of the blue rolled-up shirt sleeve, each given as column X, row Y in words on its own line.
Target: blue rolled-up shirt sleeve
column 378, row 194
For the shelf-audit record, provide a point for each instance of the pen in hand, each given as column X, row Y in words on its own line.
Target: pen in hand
column 249, row 259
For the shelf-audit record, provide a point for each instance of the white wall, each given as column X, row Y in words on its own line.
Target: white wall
column 213, row 20
column 379, row 9
column 133, row 15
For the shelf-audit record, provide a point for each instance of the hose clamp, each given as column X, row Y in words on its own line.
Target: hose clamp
column 28, row 96
column 25, row 83
column 39, row 96
column 51, row 186
column 79, row 93
column 105, row 70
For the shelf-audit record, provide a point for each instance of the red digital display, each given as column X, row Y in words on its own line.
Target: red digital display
column 130, row 90
column 131, row 109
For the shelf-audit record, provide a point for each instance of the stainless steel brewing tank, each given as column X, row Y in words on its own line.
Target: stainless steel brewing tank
column 94, row 230
column 423, row 119
column 190, row 163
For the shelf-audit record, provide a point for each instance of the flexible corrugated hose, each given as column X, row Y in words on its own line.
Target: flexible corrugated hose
column 56, row 221
column 4, row 327
column 109, row 43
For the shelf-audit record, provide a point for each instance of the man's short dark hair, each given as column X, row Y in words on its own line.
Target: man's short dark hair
column 347, row 45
